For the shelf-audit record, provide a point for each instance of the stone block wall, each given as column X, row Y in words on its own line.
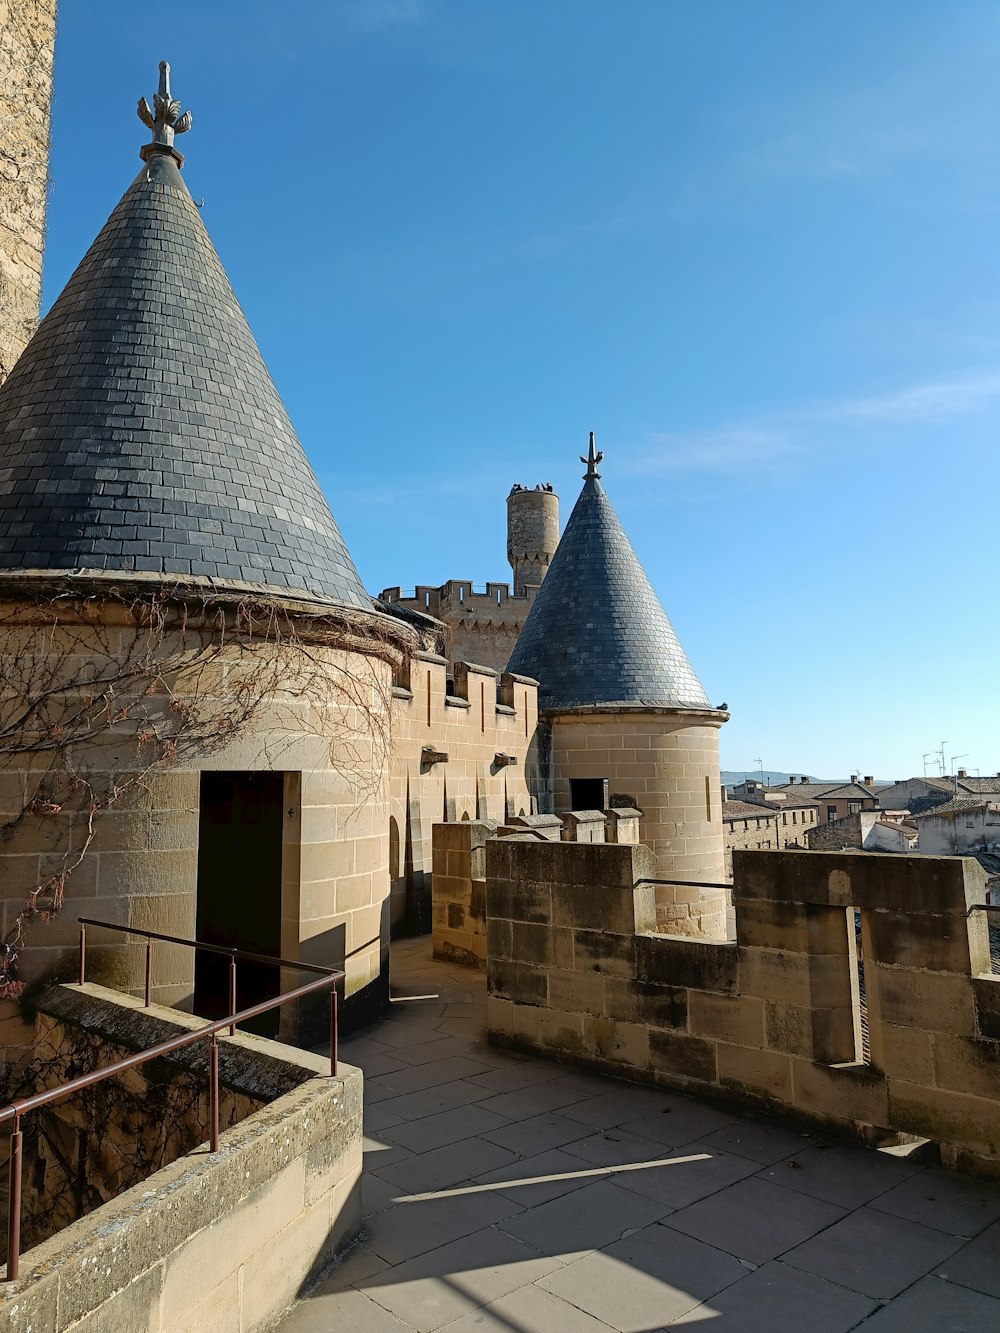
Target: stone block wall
column 135, row 862
column 749, row 832
column 479, row 626
column 771, row 1021
column 459, row 901
column 668, row 765
column 220, row 1241
column 27, row 40
column 83, row 1151
column 837, row 834
column 484, row 725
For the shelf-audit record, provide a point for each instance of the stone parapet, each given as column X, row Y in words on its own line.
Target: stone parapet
column 773, row 1021
column 583, row 826
column 458, row 911
column 213, row 1240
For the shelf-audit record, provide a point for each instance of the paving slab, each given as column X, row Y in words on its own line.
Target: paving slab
column 679, row 1122
column 432, row 1101
column 510, row 1078
column 434, row 1131
column 414, row 1078
column 447, row 1165
column 977, row 1263
column 539, row 1133
column 847, row 1176
column 934, row 1306
column 410, row 1229
column 682, row 1176
column 755, row 1220
column 779, row 1299
column 528, row 1310
column 347, row 1309
column 873, row 1252
column 645, row 1280
column 533, row 1180
column 946, row 1200
column 445, row 1283
column 522, row 1103
column 587, row 1219
column 763, row 1142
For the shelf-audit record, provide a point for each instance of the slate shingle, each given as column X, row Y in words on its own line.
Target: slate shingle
column 596, row 632
column 140, row 428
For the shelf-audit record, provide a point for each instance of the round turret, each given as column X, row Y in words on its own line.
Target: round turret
column 532, row 534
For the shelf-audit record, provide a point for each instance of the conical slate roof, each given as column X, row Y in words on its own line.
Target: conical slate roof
column 140, row 429
column 596, row 633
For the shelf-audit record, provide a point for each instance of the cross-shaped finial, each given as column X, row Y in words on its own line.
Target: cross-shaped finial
column 594, row 456
column 165, row 119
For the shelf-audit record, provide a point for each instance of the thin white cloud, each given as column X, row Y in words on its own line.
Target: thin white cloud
column 766, row 443
column 369, row 16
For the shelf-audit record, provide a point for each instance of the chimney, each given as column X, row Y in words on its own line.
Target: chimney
column 725, row 793
column 869, row 781
column 963, row 772
column 854, row 777
column 803, row 778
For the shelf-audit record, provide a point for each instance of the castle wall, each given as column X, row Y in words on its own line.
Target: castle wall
column 773, row 1020
column 27, row 39
column 470, row 727
column 326, row 728
column 481, row 626
column 668, row 766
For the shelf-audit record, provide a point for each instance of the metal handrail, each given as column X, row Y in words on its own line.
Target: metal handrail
column 16, row 1109
column 985, row 907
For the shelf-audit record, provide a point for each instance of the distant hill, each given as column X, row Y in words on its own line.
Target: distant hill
column 772, row 777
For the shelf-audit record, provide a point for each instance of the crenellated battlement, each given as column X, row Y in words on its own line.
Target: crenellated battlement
column 483, row 626
column 459, row 595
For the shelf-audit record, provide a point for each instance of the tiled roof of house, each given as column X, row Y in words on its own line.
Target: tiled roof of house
column 596, row 633
column 850, row 791
column 744, row 810
column 837, row 788
column 955, row 805
column 140, row 430
column 979, row 786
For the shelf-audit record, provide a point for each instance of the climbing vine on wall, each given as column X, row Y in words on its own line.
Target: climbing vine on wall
column 99, row 693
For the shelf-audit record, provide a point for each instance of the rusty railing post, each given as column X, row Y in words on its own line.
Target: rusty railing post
column 14, row 1202
column 333, row 1029
column 149, row 970
column 213, row 1095
column 232, row 990
column 83, row 953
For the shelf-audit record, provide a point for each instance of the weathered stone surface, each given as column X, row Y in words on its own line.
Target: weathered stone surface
column 702, row 965
column 282, row 1185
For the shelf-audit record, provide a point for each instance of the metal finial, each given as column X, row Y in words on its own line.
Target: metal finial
column 164, row 119
column 594, row 456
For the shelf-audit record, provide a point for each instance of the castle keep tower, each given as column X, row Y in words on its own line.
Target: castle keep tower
column 27, row 39
column 625, row 713
column 194, row 684
column 483, row 627
column 532, row 534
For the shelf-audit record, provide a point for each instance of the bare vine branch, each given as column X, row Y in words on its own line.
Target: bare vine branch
column 99, row 692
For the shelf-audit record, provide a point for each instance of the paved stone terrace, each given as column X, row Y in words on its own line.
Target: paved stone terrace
column 511, row 1193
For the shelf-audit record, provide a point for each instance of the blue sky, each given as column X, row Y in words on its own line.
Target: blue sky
column 752, row 243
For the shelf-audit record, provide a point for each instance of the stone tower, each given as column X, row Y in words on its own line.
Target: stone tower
column 27, row 40
column 201, row 674
column 623, row 713
column 532, row 534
